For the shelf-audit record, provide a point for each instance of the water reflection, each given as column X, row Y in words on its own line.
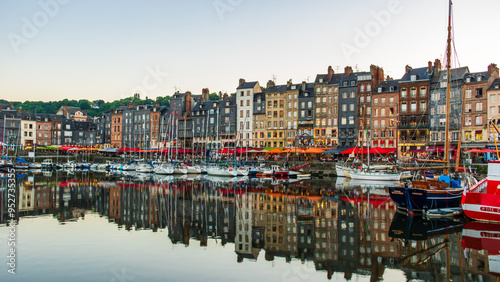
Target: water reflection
column 351, row 228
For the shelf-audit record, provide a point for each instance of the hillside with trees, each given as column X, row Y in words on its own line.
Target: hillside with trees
column 94, row 108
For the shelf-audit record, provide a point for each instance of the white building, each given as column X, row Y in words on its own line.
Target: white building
column 244, row 114
column 27, row 131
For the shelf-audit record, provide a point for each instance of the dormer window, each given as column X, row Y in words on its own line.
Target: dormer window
column 320, row 80
column 496, row 86
column 467, row 79
column 294, row 87
column 215, row 105
column 445, row 76
column 479, row 78
column 306, row 94
column 380, row 90
column 391, row 88
column 413, row 77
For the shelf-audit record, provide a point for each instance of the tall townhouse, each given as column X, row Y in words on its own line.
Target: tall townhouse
column 244, row 100
column 200, row 120
column 291, row 115
column 333, row 92
column 437, row 106
column 366, row 82
column 103, row 124
column 56, row 129
column 155, row 116
column 215, row 123
column 28, row 130
column 364, row 107
column 141, row 127
column 10, row 120
column 494, row 106
column 117, row 121
column 275, row 113
column 185, row 124
column 385, row 114
column 348, row 108
column 475, row 124
column 259, row 119
column 306, row 114
column 43, row 130
column 323, row 124
column 413, row 127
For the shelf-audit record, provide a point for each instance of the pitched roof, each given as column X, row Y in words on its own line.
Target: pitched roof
column 421, row 73
column 495, row 85
column 456, row 74
column 387, row 86
column 321, row 76
column 276, row 89
column 246, row 85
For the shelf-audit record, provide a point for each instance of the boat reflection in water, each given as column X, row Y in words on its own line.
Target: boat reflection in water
column 481, row 243
column 340, row 233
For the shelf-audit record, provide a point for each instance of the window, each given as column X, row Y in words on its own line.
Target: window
column 351, row 107
column 423, row 106
column 413, row 77
column 468, row 121
column 353, row 95
column 479, row 107
column 479, row 92
column 382, row 112
column 375, row 124
column 343, row 120
column 382, row 101
column 375, row 101
column 368, row 88
column 351, row 120
column 443, row 84
column 423, row 91
column 468, row 93
column 413, row 92
column 492, row 110
column 403, row 107
column 413, row 106
column 479, row 120
column 403, row 93
column 479, row 135
column 344, row 107
column 362, row 99
column 492, row 98
column 468, row 108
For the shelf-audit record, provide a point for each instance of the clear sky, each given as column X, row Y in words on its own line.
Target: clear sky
column 94, row 49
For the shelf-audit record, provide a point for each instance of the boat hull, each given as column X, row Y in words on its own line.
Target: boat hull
column 375, row 176
column 482, row 206
column 420, row 200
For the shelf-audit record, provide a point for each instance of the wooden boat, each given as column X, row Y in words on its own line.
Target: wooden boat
column 376, row 175
column 423, row 195
column 482, row 200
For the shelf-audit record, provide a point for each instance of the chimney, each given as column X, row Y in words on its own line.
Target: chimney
column 330, row 72
column 19, row 110
column 130, row 105
column 437, row 64
column 270, row 84
column 225, row 96
column 65, row 111
column 347, row 70
column 429, row 70
column 377, row 75
column 241, row 81
column 407, row 68
column 85, row 112
column 157, row 104
column 493, row 70
column 0, row 108
column 289, row 83
column 205, row 94
column 188, row 102
column 11, row 105
column 304, row 86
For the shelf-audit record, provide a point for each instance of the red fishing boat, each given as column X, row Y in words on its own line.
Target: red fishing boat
column 482, row 201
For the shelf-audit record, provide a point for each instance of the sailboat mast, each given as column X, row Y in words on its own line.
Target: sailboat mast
column 448, row 86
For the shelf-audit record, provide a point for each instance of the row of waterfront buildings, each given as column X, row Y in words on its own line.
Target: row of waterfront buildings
column 337, row 109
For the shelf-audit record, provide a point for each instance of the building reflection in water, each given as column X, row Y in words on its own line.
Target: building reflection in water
column 342, row 230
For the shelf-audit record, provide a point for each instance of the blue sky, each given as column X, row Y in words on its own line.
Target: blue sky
column 109, row 49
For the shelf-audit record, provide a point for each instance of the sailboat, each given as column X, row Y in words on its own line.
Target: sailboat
column 424, row 194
